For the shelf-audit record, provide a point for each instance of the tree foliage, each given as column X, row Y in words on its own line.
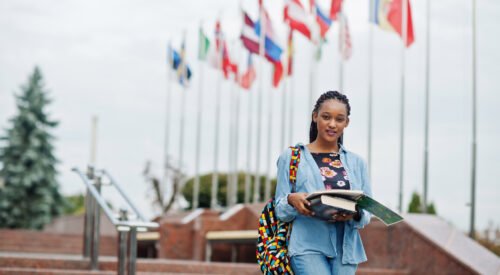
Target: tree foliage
column 29, row 196
column 206, row 187
column 416, row 205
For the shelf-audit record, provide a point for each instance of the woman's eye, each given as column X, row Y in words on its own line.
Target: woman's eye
column 326, row 117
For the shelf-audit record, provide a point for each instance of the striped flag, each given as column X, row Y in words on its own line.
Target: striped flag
column 335, row 8
column 345, row 38
column 388, row 14
column 246, row 80
column 298, row 19
column 250, row 38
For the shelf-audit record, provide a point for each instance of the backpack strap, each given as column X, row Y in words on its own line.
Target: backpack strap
column 294, row 165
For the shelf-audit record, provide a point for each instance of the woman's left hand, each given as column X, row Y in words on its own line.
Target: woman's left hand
column 342, row 217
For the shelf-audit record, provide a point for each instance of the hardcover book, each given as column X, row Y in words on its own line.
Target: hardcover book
column 328, row 202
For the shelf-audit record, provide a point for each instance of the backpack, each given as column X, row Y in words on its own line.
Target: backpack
column 272, row 243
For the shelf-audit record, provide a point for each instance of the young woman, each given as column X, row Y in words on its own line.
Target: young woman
column 317, row 246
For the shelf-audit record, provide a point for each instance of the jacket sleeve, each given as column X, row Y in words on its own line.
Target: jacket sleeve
column 367, row 190
column 284, row 211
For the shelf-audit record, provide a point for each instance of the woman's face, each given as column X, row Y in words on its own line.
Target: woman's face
column 331, row 120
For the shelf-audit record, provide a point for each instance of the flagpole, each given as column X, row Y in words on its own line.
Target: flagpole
column 313, row 70
column 370, row 87
column 230, row 166
column 267, row 190
column 474, row 123
column 248, row 176
column 284, row 94
column 426, row 128
column 183, row 69
column 256, row 193
column 215, row 176
column 196, row 185
column 167, row 118
column 236, row 143
column 341, row 46
column 291, row 96
column 404, row 26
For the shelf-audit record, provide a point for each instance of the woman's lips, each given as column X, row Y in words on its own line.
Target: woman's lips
column 331, row 133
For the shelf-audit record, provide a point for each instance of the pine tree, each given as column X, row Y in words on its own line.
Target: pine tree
column 29, row 197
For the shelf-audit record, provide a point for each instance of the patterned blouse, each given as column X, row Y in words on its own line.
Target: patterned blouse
column 331, row 169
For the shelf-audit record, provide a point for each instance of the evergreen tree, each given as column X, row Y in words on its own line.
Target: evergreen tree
column 29, row 197
column 416, row 205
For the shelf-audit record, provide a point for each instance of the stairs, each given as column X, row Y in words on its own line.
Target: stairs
column 55, row 264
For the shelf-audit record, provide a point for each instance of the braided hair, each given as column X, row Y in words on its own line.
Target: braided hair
column 313, row 130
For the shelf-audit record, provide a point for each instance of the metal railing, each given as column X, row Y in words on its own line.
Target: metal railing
column 126, row 227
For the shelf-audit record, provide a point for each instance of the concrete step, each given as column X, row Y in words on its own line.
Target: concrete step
column 36, row 263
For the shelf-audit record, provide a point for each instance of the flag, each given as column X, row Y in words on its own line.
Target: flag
column 246, row 80
column 290, row 52
column 297, row 18
column 177, row 62
column 335, row 8
column 272, row 52
column 345, row 38
column 227, row 65
column 203, row 45
column 324, row 22
column 388, row 14
column 395, row 17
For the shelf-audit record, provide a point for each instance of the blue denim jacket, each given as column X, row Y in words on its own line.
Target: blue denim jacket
column 311, row 235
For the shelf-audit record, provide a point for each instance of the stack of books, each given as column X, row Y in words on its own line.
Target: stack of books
column 326, row 203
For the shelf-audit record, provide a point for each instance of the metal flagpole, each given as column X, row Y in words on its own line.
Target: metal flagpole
column 370, row 87
column 313, row 69
column 267, row 190
column 196, row 185
column 167, row 119
column 236, row 143
column 256, row 192
column 474, row 123
column 284, row 94
column 341, row 46
column 292, row 101
column 230, row 166
column 426, row 127
column 404, row 26
column 215, row 176
column 93, row 144
column 248, row 176
column 183, row 69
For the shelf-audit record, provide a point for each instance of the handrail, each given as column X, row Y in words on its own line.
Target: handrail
column 127, row 199
column 123, row 225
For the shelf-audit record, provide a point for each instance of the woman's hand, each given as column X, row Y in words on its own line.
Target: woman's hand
column 342, row 217
column 299, row 202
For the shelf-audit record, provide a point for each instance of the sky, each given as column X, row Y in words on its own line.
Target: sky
column 108, row 59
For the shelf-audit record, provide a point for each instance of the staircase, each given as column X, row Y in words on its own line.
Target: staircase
column 55, row 264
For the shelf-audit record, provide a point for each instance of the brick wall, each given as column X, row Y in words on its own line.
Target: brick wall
column 400, row 246
column 44, row 242
column 397, row 247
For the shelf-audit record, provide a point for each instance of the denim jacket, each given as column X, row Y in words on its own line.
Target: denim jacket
column 315, row 236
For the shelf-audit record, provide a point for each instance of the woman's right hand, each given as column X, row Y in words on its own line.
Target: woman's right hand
column 299, row 202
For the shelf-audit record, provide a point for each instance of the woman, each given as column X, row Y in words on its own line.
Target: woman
column 317, row 246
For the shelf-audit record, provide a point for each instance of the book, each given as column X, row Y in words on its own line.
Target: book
column 328, row 207
column 325, row 206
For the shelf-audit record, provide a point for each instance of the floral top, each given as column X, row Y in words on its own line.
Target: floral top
column 331, row 169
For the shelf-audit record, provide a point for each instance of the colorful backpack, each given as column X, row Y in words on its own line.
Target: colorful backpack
column 272, row 243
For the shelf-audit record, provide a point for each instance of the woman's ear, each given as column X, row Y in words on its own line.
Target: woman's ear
column 347, row 122
column 315, row 117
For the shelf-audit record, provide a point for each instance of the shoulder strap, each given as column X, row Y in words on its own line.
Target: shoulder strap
column 294, row 165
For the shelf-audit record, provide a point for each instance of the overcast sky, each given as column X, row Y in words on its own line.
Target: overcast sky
column 107, row 58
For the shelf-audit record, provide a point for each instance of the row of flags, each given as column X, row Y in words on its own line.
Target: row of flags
column 313, row 25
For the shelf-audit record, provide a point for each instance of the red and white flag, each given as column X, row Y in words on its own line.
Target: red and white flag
column 345, row 45
column 298, row 19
